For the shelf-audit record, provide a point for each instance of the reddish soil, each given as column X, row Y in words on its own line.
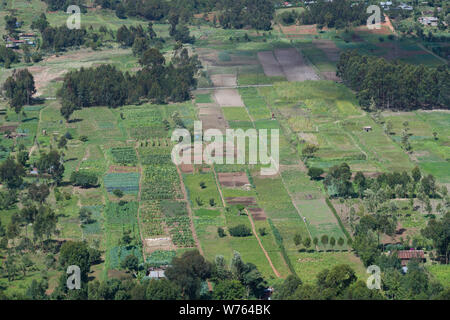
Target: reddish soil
column 299, row 30
column 233, row 179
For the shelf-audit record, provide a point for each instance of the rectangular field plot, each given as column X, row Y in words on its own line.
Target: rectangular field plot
column 152, row 219
column 320, row 221
column 255, row 104
column 294, row 65
column 161, row 182
column 155, row 155
column 128, row 182
column 429, row 152
column 124, row 155
column 307, row 265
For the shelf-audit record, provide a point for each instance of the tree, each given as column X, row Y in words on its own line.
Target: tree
column 332, row 242
column 85, row 215
column 229, row 290
column 51, row 163
column 36, row 290
column 416, row 174
column 162, row 289
column 84, row 179
column 315, row 173
column 152, row 58
column 324, row 240
column 11, row 173
column 118, row 193
column 75, row 253
column 130, row 263
column 285, row 290
column 336, row 280
column 188, row 272
column 307, row 243
column 439, row 232
column 45, row 223
column 315, row 241
column 341, row 241
column 241, row 230
column 38, row 193
column 309, row 150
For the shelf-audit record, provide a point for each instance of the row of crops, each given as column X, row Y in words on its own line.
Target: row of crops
column 155, row 155
column 152, row 219
column 121, row 213
column 160, row 258
column 128, row 182
column 118, row 253
column 124, row 155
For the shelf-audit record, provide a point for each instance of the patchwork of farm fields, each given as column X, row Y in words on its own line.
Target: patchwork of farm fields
column 147, row 206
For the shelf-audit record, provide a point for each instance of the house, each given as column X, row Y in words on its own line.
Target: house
column 429, row 21
column 404, row 6
column 367, row 128
column 406, row 255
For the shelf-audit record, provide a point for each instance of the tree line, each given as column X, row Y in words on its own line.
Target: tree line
column 105, row 85
column 381, row 84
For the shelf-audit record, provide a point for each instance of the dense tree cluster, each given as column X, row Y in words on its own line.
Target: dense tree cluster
column 335, row 14
column 395, row 85
column 54, row 5
column 58, row 38
column 19, row 88
column 237, row 14
column 106, row 86
column 7, row 56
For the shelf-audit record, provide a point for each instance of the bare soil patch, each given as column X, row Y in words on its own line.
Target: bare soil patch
column 44, row 75
column 224, row 80
column 330, row 75
column 212, row 117
column 246, row 201
column 10, row 128
column 153, row 244
column 233, row 179
column 299, row 30
column 294, row 66
column 258, row 214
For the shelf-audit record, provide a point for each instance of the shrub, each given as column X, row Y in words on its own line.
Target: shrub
column 221, row 232
column 240, row 230
column 84, row 179
column 118, row 193
column 262, row 232
column 84, row 138
column 212, row 203
column 315, row 173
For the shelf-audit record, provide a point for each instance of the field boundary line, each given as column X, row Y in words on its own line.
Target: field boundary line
column 261, row 245
column 141, row 177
